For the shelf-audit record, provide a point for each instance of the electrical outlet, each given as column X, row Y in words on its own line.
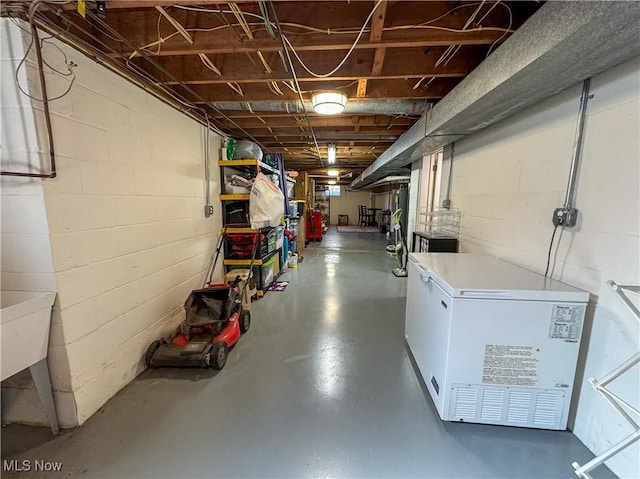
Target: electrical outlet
column 566, row 217
column 446, row 203
column 208, row 211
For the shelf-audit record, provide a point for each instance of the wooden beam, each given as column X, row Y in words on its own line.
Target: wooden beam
column 378, row 62
column 377, row 22
column 208, row 44
column 377, row 89
column 131, row 4
column 361, row 92
column 404, row 63
column 240, row 80
column 377, row 26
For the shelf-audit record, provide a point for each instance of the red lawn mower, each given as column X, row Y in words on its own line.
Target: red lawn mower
column 216, row 316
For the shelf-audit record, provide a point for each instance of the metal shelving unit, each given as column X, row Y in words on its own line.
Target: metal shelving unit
column 251, row 165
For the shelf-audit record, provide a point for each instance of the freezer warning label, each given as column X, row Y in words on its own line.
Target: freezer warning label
column 566, row 322
column 510, row 365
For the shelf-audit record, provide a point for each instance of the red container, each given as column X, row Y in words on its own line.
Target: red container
column 314, row 225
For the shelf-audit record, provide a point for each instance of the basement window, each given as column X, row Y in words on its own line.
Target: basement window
column 333, row 190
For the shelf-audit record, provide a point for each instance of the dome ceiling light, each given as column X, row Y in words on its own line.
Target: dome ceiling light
column 329, row 102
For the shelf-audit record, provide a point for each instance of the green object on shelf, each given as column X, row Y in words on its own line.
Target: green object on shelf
column 269, row 262
column 231, row 148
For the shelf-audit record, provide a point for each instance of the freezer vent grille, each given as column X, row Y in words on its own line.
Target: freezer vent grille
column 506, row 405
column 467, row 399
column 492, row 405
column 519, row 405
column 546, row 409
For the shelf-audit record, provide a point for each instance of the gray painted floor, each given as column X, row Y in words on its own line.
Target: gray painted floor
column 321, row 386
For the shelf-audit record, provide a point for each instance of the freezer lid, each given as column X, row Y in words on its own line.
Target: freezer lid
column 475, row 276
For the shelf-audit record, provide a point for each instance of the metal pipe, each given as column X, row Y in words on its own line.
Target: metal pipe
column 577, row 144
column 446, row 203
column 45, row 103
column 208, row 209
column 394, row 107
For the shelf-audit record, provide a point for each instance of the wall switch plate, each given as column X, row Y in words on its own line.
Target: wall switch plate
column 566, row 217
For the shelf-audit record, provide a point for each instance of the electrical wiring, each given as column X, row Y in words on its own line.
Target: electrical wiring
column 209, row 64
column 33, row 10
column 495, row 4
column 273, row 86
column 415, row 87
column 137, row 70
column 70, row 66
column 311, row 30
column 387, row 126
column 351, row 31
column 348, row 54
column 291, row 86
column 546, row 271
column 47, row 41
column 452, row 49
column 168, row 37
column 160, row 40
column 236, row 87
column 555, row 255
column 295, row 80
column 505, row 33
column 267, row 23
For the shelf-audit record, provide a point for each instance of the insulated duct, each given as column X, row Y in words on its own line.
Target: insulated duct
column 562, row 44
column 354, row 107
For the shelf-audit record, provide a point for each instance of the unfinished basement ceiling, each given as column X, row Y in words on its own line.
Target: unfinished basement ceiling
column 228, row 59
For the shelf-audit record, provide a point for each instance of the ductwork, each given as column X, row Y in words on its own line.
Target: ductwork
column 390, row 180
column 354, row 107
column 562, row 44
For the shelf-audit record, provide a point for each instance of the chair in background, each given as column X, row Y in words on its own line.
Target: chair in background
column 362, row 211
column 364, row 217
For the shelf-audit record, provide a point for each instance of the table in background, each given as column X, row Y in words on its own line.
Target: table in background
column 373, row 214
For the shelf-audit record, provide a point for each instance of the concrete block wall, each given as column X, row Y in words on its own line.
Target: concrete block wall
column 128, row 235
column 508, row 179
column 27, row 261
column 25, row 232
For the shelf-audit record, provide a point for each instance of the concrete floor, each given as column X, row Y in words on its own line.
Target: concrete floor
column 321, row 386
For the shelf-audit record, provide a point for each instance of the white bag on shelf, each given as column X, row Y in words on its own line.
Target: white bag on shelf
column 266, row 203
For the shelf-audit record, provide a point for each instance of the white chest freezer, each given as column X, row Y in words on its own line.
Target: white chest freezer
column 494, row 343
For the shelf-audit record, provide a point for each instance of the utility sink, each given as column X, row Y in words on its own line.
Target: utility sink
column 25, row 321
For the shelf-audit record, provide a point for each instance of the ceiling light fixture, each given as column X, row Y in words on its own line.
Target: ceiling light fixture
column 328, row 102
column 331, row 153
column 331, row 182
column 333, row 173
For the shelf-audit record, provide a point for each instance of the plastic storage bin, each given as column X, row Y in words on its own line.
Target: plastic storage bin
column 240, row 245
